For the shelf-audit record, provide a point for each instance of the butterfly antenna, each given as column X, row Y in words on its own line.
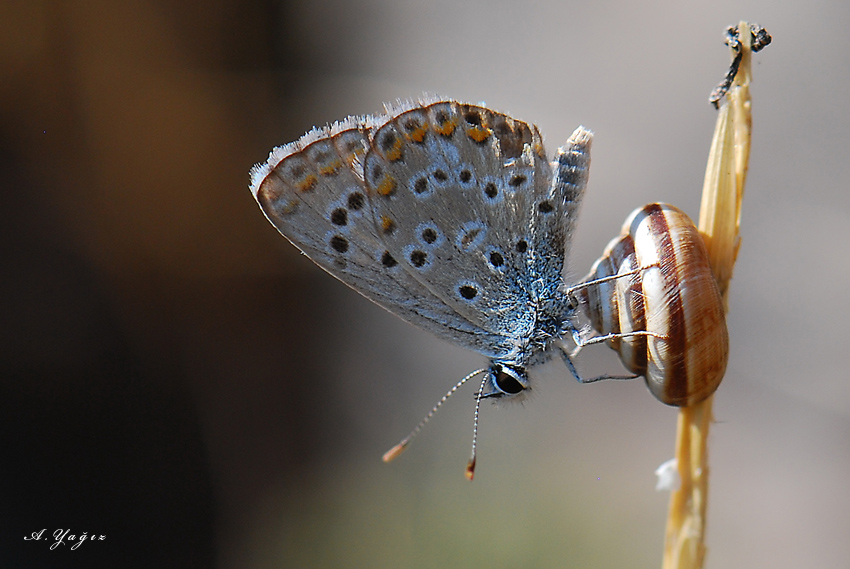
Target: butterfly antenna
column 397, row 449
column 470, row 466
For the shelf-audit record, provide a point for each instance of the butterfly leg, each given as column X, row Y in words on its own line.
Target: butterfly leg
column 571, row 366
column 615, row 335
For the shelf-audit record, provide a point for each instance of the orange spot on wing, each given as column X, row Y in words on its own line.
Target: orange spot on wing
column 418, row 134
column 539, row 150
column 478, row 133
column 447, row 127
column 307, row 183
column 387, row 186
column 331, row 169
column 387, row 224
column 394, row 153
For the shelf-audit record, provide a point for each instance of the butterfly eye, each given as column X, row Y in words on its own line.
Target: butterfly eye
column 509, row 380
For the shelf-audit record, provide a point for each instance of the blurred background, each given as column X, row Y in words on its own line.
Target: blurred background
column 178, row 378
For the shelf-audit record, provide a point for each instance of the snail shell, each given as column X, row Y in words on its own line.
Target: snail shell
column 674, row 298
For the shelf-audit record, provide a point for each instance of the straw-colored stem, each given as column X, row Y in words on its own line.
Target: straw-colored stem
column 719, row 222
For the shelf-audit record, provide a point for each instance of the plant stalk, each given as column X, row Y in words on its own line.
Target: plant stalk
column 719, row 224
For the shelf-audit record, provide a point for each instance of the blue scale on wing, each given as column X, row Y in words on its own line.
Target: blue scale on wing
column 456, row 184
column 312, row 191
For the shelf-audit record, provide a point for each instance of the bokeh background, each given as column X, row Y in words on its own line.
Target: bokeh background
column 177, row 377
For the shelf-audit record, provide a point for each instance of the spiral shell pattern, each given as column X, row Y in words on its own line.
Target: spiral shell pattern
column 674, row 297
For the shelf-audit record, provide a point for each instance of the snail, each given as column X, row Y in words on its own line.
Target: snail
column 663, row 314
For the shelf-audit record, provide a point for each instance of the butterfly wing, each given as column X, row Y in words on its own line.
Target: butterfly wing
column 553, row 232
column 466, row 200
column 312, row 191
column 447, row 214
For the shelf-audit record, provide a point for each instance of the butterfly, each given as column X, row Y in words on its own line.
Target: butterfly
column 449, row 215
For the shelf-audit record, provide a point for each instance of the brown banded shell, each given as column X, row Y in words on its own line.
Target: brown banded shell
column 674, row 297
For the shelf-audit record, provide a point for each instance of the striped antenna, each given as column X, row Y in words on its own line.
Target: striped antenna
column 397, row 449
